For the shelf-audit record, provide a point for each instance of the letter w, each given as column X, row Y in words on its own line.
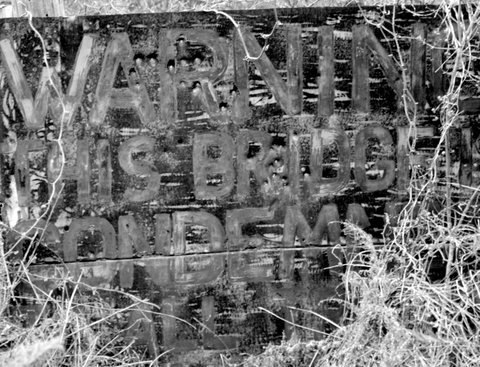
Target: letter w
column 49, row 95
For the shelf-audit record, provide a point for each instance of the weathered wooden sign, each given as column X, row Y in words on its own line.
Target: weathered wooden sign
column 155, row 158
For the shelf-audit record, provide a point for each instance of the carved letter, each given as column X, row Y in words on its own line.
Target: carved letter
column 137, row 167
column 81, row 172
column 141, row 330
column 385, row 165
column 274, row 81
column 22, row 169
column 213, row 172
column 322, row 138
column 210, row 339
column 206, row 78
column 328, row 223
column 130, row 237
column 365, row 39
column 28, row 229
column 248, row 162
column 238, row 217
column 356, row 215
column 119, row 51
column 48, row 95
column 295, row 225
column 211, row 222
column 70, row 248
column 197, row 270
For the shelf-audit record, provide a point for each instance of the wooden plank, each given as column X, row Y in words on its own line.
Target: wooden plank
column 466, row 158
column 418, row 51
column 169, row 334
column 294, row 148
column 22, row 173
column 403, row 159
column 210, row 339
column 7, row 11
column 38, row 8
column 163, row 234
column 240, row 95
column 360, row 71
column 141, row 331
column 167, row 95
column 83, row 171
column 469, row 106
column 22, row 168
column 104, row 159
column 208, row 321
column 295, row 67
column 54, row 169
column 326, row 71
column 437, row 76
column 167, row 98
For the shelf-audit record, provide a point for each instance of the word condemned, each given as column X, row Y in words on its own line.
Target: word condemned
column 170, row 232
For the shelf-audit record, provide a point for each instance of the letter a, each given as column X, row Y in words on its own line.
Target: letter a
column 119, row 51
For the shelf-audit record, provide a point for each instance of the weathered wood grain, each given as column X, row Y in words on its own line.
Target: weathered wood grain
column 104, row 161
column 295, row 66
column 326, row 70
column 466, row 158
column 274, row 81
column 360, row 70
column 418, row 51
column 240, row 108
